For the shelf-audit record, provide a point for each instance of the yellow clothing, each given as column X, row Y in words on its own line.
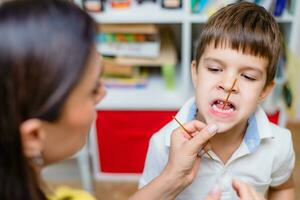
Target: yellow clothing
column 65, row 192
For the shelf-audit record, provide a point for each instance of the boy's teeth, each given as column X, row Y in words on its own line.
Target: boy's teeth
column 220, row 102
column 215, row 107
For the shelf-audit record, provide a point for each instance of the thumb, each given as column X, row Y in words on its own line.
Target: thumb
column 202, row 137
column 215, row 194
column 241, row 188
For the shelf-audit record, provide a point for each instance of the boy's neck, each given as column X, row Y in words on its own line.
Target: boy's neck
column 225, row 144
column 231, row 136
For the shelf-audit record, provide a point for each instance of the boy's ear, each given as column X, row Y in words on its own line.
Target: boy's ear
column 194, row 72
column 32, row 137
column 266, row 91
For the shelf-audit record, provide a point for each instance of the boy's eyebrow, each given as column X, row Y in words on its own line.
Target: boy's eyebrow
column 214, row 60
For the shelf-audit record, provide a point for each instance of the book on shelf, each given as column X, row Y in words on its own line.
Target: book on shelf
column 138, row 40
column 126, row 71
column 128, row 28
column 137, row 80
column 276, row 7
column 112, row 68
column 118, row 75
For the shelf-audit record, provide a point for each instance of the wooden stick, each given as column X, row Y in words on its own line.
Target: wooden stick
column 229, row 93
column 181, row 125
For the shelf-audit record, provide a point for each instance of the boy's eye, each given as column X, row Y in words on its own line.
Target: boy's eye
column 214, row 69
column 248, row 77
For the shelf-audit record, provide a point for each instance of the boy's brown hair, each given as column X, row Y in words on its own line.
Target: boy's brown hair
column 244, row 27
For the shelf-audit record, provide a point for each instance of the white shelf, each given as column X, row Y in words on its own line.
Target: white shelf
column 154, row 96
column 285, row 18
column 198, row 18
column 144, row 13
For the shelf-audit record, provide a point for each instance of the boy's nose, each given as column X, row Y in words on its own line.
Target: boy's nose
column 229, row 85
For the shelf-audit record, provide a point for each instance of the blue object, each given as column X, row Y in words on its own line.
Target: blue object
column 202, row 5
column 100, row 38
column 279, row 7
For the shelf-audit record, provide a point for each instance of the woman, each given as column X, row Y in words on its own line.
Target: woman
column 49, row 86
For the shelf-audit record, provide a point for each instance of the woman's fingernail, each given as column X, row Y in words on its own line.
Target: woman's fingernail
column 212, row 129
column 216, row 191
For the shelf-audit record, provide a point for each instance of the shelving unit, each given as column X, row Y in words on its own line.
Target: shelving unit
column 156, row 96
column 143, row 99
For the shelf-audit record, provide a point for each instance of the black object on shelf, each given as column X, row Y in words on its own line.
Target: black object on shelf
column 142, row 1
column 287, row 94
column 93, row 5
column 171, row 4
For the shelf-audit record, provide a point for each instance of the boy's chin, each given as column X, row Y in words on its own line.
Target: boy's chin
column 223, row 127
column 222, row 130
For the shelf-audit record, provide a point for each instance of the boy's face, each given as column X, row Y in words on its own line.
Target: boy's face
column 217, row 70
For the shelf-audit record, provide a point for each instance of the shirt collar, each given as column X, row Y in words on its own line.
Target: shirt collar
column 258, row 125
column 184, row 115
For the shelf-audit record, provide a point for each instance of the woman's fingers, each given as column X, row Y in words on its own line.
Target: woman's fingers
column 241, row 188
column 188, row 130
column 199, row 133
column 197, row 142
column 244, row 191
column 215, row 194
column 193, row 126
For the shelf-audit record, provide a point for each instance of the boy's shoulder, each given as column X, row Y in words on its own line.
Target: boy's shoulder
column 280, row 145
column 267, row 129
column 162, row 137
column 281, row 136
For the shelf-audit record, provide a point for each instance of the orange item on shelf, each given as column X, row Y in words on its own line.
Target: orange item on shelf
column 92, row 6
column 121, row 38
column 120, row 3
column 140, row 37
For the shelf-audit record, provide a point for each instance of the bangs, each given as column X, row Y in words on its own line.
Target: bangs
column 248, row 43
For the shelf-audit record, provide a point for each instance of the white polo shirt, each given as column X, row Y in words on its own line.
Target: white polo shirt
column 265, row 157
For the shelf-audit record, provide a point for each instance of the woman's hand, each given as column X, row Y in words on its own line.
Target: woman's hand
column 184, row 161
column 244, row 192
column 182, row 165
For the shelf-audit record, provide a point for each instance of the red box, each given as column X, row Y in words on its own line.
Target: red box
column 123, row 138
column 274, row 117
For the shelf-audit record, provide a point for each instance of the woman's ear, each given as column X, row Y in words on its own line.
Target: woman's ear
column 32, row 137
column 194, row 72
column 266, row 91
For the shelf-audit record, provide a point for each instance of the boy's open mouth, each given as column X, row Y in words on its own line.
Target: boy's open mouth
column 218, row 105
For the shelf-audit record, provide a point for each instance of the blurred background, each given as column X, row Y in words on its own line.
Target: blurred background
column 147, row 47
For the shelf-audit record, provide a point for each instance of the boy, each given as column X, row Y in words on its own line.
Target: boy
column 236, row 57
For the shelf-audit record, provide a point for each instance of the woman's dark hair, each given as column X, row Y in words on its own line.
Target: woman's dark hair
column 44, row 48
